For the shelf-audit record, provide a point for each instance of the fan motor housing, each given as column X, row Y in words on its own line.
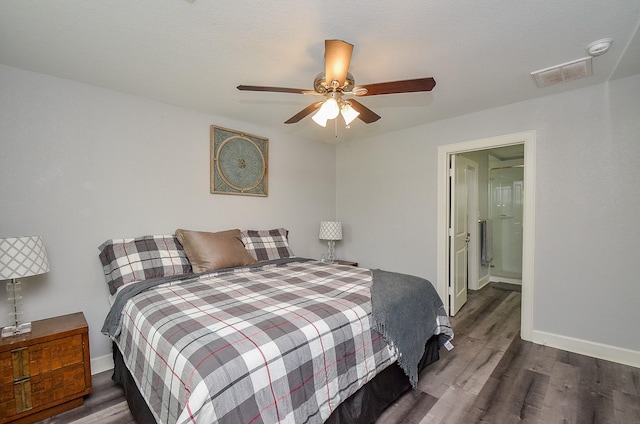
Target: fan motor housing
column 321, row 86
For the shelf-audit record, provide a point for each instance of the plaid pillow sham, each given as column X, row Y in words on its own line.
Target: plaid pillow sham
column 265, row 245
column 134, row 259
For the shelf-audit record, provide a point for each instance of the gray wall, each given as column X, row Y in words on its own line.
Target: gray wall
column 587, row 201
column 81, row 164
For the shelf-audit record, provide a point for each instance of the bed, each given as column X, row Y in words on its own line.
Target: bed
column 231, row 327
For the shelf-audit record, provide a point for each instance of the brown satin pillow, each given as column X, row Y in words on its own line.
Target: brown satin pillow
column 211, row 251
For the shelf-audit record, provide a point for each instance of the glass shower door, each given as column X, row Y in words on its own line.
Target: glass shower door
column 506, row 203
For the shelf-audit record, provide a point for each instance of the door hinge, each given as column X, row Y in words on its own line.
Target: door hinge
column 450, row 232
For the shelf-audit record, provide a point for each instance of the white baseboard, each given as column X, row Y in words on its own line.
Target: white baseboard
column 584, row 347
column 101, row 364
column 497, row 279
column 482, row 281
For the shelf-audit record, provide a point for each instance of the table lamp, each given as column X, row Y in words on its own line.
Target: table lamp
column 20, row 257
column 331, row 231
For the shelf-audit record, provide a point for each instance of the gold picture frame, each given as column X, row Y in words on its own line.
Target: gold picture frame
column 239, row 163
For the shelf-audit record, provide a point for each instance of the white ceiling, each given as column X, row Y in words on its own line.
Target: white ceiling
column 481, row 53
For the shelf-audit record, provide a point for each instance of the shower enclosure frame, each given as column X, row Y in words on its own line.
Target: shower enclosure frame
column 506, row 210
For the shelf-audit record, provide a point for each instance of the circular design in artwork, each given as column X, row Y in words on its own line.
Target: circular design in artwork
column 241, row 163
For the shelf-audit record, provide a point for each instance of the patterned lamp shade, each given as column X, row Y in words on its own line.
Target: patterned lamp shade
column 330, row 230
column 22, row 257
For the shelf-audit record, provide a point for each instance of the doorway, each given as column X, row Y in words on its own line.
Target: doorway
column 528, row 221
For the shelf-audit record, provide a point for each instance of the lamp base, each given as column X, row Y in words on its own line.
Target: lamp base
column 332, row 248
column 13, row 330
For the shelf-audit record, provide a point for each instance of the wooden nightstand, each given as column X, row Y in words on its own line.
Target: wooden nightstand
column 45, row 372
column 350, row 263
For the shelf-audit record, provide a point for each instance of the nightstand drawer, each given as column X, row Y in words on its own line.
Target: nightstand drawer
column 53, row 386
column 7, row 400
column 45, row 357
column 45, row 372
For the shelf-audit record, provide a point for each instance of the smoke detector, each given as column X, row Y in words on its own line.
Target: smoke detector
column 599, row 47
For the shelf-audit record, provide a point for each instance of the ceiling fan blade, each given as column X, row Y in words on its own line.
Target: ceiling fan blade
column 366, row 114
column 272, row 89
column 337, row 57
column 304, row 112
column 393, row 87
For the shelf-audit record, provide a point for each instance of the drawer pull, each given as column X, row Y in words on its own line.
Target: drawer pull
column 20, row 358
column 22, row 391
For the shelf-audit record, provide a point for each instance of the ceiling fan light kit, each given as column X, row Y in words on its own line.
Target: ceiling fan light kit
column 330, row 110
column 319, row 119
column 349, row 113
column 336, row 82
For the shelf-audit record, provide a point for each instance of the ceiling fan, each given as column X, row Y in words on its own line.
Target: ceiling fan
column 337, row 85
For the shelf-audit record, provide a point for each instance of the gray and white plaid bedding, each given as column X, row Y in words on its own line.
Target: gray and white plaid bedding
column 284, row 342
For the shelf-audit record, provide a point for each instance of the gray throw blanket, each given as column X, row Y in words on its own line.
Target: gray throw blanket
column 405, row 312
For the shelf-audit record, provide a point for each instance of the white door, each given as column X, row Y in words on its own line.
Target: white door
column 459, row 234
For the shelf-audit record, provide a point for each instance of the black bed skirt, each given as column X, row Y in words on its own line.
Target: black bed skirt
column 363, row 407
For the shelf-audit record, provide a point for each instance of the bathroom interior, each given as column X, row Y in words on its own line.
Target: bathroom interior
column 500, row 178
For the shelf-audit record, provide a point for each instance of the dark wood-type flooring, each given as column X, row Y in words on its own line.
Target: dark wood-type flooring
column 491, row 376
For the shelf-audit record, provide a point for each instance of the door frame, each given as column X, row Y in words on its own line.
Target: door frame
column 528, row 138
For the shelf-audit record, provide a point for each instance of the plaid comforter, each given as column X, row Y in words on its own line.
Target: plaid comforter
column 282, row 342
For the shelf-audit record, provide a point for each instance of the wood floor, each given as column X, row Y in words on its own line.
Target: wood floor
column 491, row 376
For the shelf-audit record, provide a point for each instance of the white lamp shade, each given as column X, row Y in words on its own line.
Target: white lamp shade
column 330, row 230
column 319, row 118
column 349, row 113
column 22, row 257
column 330, row 108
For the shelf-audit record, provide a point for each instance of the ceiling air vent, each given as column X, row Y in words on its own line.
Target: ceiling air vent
column 565, row 72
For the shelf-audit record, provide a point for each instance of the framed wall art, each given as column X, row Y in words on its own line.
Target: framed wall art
column 239, row 163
